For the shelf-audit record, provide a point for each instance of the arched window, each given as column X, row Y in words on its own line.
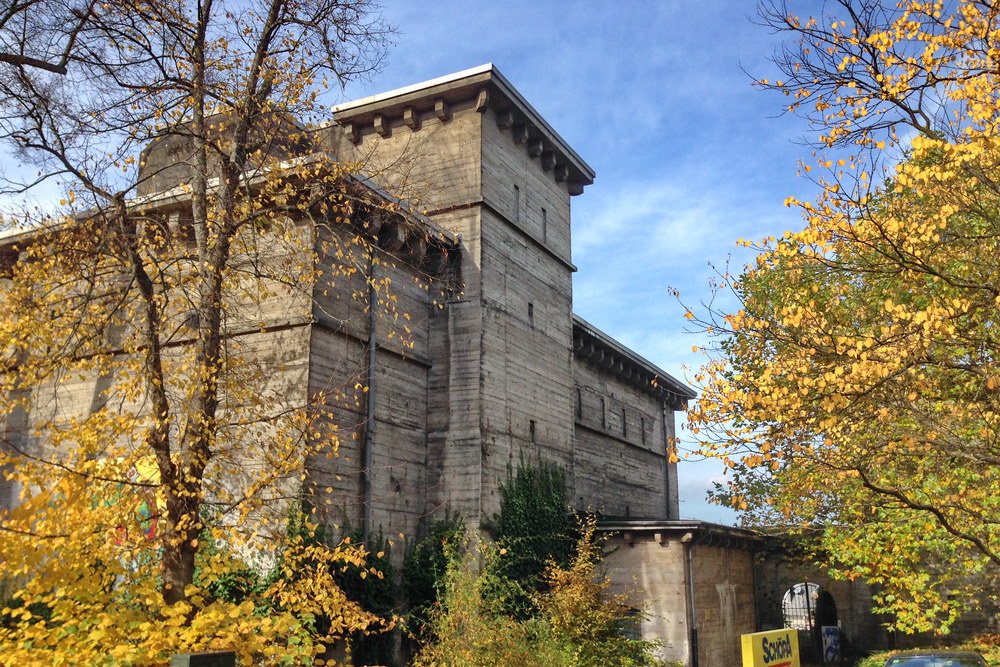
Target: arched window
column 798, row 606
column 808, row 608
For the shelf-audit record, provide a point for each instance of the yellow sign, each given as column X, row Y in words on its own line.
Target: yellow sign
column 774, row 648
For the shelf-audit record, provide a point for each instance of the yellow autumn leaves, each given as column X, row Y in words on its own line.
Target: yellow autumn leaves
column 855, row 391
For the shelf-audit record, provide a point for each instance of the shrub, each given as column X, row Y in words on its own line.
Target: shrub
column 373, row 587
column 582, row 613
column 534, row 527
column 577, row 624
column 466, row 629
column 424, row 570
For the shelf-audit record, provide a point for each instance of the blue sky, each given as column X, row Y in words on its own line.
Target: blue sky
column 689, row 157
column 653, row 95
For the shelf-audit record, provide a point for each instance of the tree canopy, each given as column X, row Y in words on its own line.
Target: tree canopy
column 151, row 446
column 855, row 388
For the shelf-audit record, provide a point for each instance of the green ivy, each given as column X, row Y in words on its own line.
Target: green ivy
column 424, row 569
column 535, row 526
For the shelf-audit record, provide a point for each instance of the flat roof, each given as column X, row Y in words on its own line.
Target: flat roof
column 702, row 532
column 412, row 88
column 460, row 81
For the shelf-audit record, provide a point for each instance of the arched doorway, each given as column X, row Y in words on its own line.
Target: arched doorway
column 807, row 607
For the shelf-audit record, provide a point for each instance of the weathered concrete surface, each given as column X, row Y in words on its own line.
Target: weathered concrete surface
column 479, row 361
column 503, row 377
column 693, row 580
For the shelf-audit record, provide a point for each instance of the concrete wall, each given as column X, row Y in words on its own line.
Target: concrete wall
column 652, row 575
column 620, row 456
column 399, row 447
column 519, row 189
column 724, row 603
column 436, row 169
column 500, row 378
column 527, row 386
column 651, row 568
column 273, row 361
column 777, row 572
column 432, row 168
column 266, row 325
column 405, row 302
column 527, row 299
column 169, row 160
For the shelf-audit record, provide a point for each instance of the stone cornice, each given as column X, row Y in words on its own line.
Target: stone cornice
column 397, row 229
column 683, row 531
column 592, row 345
column 483, row 88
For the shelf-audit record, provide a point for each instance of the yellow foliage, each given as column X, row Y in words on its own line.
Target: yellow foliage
column 156, row 425
column 856, row 389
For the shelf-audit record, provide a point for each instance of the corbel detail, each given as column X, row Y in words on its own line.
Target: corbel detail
column 354, row 133
column 505, row 118
column 519, row 133
column 8, row 258
column 415, row 249
column 435, row 260
column 381, row 125
column 391, row 237
column 482, row 100
column 548, row 160
column 441, row 110
column 561, row 173
column 535, row 147
column 411, row 119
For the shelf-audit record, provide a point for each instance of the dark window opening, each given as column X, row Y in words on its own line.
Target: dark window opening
column 579, row 403
column 624, row 424
column 604, row 419
column 531, row 314
column 531, row 430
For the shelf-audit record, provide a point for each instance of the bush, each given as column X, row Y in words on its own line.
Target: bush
column 424, row 570
column 466, row 629
column 577, row 623
column 373, row 587
column 582, row 613
column 534, row 527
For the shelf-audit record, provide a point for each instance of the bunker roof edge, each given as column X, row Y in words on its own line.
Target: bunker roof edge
column 459, row 83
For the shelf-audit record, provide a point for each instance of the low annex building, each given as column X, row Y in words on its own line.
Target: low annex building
column 495, row 366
